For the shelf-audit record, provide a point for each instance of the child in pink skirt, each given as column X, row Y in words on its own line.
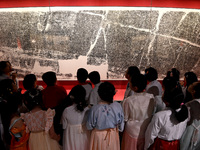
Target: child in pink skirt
column 105, row 119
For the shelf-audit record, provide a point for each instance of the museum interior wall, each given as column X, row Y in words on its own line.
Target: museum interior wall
column 106, row 36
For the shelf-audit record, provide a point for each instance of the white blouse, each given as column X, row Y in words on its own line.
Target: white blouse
column 164, row 126
column 94, row 96
column 156, row 84
column 138, row 111
column 88, row 89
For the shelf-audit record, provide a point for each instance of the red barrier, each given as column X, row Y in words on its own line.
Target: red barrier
column 120, row 86
column 195, row 4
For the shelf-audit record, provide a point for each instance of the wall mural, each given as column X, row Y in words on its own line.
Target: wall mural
column 106, row 39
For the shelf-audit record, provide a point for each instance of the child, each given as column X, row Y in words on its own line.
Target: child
column 105, row 119
column 191, row 137
column 167, row 126
column 30, row 82
column 138, row 110
column 82, row 75
column 94, row 77
column 17, row 129
column 39, row 123
column 53, row 95
column 14, row 129
column 189, row 78
column 76, row 136
column 130, row 72
column 154, row 87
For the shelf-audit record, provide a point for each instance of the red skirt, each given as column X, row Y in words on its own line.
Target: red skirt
column 160, row 144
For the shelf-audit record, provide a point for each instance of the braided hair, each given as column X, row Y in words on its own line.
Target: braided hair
column 33, row 98
column 77, row 96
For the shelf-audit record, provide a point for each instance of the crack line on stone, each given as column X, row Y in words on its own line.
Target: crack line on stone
column 98, row 34
column 105, row 40
column 93, row 14
column 154, row 37
column 182, row 19
column 195, row 65
column 129, row 26
column 141, row 59
column 179, row 39
column 180, row 49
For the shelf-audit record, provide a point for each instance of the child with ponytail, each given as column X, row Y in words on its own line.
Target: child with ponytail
column 167, row 126
column 39, row 123
column 191, row 137
column 75, row 136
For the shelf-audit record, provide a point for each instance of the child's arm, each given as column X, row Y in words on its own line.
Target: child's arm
column 53, row 135
column 152, row 131
column 91, row 123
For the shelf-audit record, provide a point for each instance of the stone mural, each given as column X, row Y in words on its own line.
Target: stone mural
column 106, row 39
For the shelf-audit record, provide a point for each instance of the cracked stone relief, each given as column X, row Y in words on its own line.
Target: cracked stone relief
column 102, row 39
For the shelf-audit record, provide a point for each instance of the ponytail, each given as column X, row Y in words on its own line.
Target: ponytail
column 182, row 115
column 77, row 96
column 175, row 98
column 33, row 98
column 80, row 106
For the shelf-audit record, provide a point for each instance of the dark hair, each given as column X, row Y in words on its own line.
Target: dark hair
column 82, row 75
column 175, row 74
column 190, row 78
column 10, row 101
column 133, row 71
column 196, row 88
column 94, row 77
column 175, row 98
column 106, row 91
column 140, row 82
column 77, row 96
column 29, row 81
column 49, row 78
column 6, row 88
column 151, row 74
column 169, row 83
column 3, row 65
column 33, row 98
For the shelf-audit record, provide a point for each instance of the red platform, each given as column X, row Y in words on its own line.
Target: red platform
column 120, row 86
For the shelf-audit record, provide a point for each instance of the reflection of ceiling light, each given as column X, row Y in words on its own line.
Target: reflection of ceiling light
column 33, row 41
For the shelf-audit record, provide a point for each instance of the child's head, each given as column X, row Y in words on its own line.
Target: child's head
column 151, row 74
column 77, row 96
column 106, row 92
column 173, row 98
column 49, row 78
column 175, row 74
column 189, row 78
column 194, row 89
column 33, row 98
column 138, row 83
column 5, row 67
column 82, row 75
column 132, row 71
column 94, row 77
column 29, row 81
column 169, row 83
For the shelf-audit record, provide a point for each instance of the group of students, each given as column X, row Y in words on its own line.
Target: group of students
column 151, row 116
